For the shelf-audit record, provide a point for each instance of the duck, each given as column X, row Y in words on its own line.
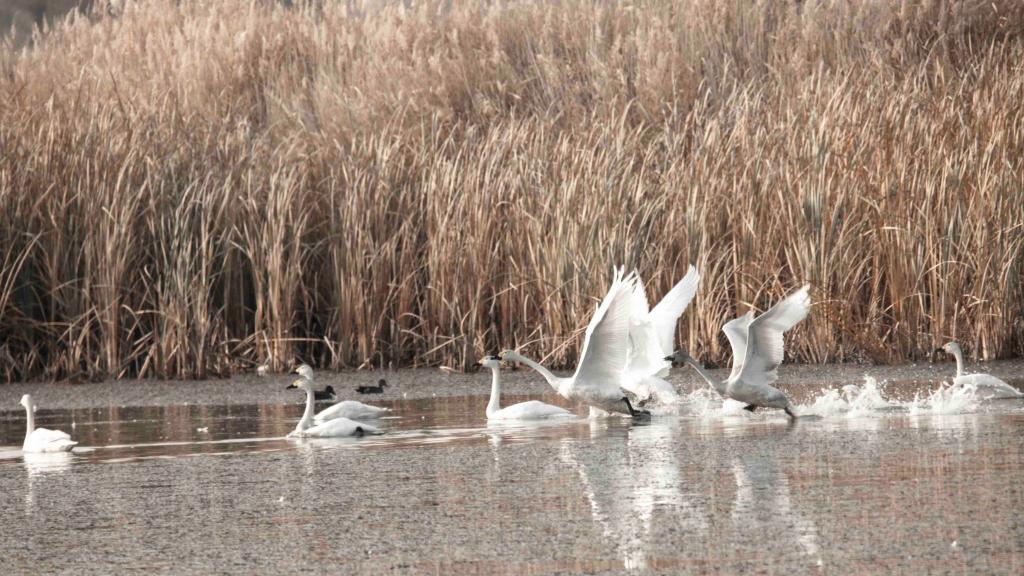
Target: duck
column 325, row 395
column 333, row 428
column 530, row 410
column 42, row 439
column 757, row 351
column 378, row 389
column 601, row 373
column 986, row 385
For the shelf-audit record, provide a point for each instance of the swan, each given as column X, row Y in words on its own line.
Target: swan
column 531, row 410
column 378, row 389
column 333, row 428
column 601, row 372
column 325, row 395
column 651, row 333
column 349, row 409
column 987, row 385
column 757, row 351
column 42, row 439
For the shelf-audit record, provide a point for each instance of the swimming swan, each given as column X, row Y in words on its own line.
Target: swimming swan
column 333, row 428
column 986, row 385
column 530, row 410
column 651, row 334
column 757, row 351
column 349, row 409
column 601, row 373
column 325, row 395
column 42, row 439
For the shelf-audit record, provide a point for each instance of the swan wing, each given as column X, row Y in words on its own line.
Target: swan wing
column 736, row 331
column 46, row 440
column 765, row 338
column 989, row 386
column 349, row 409
column 606, row 345
column 666, row 314
column 531, row 410
column 339, row 427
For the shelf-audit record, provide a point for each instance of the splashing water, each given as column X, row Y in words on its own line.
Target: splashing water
column 947, row 399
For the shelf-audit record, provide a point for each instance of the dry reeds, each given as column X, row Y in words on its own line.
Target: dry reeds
column 192, row 189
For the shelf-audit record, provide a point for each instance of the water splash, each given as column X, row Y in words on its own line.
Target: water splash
column 946, row 399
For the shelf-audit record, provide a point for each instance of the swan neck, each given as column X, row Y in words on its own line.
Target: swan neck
column 30, row 425
column 718, row 386
column 959, row 355
column 551, row 378
column 495, row 402
column 307, row 416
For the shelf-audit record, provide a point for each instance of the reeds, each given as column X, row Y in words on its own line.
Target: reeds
column 193, row 189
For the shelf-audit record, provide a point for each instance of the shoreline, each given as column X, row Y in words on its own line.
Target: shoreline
column 421, row 383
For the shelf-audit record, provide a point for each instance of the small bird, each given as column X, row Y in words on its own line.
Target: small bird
column 378, row 389
column 325, row 395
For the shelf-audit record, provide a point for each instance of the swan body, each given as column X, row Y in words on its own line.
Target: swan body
column 334, row 428
column 757, row 351
column 986, row 385
column 42, row 439
column 349, row 409
column 601, row 372
column 651, row 334
column 530, row 410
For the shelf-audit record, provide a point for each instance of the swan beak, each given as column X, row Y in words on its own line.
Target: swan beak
column 290, row 386
column 477, row 365
column 669, row 358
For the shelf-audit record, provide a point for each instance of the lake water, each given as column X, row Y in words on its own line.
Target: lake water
column 859, row 485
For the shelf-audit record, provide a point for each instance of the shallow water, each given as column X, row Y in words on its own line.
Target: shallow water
column 858, row 486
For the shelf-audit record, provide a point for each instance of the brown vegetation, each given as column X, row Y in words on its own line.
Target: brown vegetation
column 196, row 188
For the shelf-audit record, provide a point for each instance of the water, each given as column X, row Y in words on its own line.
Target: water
column 876, row 478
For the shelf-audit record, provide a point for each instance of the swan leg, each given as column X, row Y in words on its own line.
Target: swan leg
column 752, row 407
column 633, row 412
column 789, row 412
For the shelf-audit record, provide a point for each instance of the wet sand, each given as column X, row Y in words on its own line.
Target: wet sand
column 212, row 487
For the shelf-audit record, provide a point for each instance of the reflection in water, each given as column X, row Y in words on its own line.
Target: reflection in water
column 763, row 504
column 39, row 466
column 628, row 484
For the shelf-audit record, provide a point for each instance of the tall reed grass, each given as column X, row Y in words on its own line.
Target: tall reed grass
column 193, row 188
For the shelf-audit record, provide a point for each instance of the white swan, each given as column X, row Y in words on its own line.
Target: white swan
column 986, row 385
column 757, row 351
column 651, row 334
column 42, row 439
column 530, row 410
column 601, row 372
column 349, row 409
column 331, row 428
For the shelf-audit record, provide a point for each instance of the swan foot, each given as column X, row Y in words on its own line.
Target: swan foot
column 789, row 412
column 359, row 433
column 634, row 412
column 751, row 407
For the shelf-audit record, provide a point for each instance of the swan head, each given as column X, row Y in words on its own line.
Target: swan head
column 951, row 348
column 492, row 362
column 679, row 357
column 26, row 401
column 305, row 371
column 303, row 383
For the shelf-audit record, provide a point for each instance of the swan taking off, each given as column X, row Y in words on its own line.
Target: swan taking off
column 757, row 351
column 601, row 373
column 530, row 410
column 333, row 428
column 42, row 439
column 986, row 385
column 651, row 333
